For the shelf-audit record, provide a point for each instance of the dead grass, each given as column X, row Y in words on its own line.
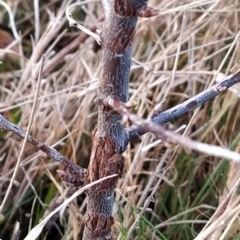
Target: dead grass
column 176, row 56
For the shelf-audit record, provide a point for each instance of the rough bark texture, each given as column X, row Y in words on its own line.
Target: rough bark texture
column 109, row 136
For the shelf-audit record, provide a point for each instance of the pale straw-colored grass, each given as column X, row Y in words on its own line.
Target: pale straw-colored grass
column 176, row 55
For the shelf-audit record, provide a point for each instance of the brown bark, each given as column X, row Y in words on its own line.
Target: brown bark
column 109, row 136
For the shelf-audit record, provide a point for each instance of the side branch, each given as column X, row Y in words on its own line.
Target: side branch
column 161, row 132
column 134, row 132
column 52, row 153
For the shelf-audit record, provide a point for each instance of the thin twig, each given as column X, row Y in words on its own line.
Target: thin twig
column 161, row 132
column 213, row 79
column 189, row 105
column 51, row 152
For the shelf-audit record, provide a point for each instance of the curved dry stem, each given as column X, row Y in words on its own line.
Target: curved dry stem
column 74, row 23
column 11, row 18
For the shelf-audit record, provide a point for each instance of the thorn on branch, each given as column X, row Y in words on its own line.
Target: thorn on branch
column 157, row 110
column 115, row 104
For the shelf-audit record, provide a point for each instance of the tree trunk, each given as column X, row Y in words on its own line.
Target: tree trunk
column 109, row 137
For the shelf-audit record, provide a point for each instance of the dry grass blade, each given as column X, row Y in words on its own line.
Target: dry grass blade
column 11, row 17
column 228, row 200
column 147, row 202
column 35, row 232
column 220, row 222
column 185, row 45
column 26, row 137
column 72, row 22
